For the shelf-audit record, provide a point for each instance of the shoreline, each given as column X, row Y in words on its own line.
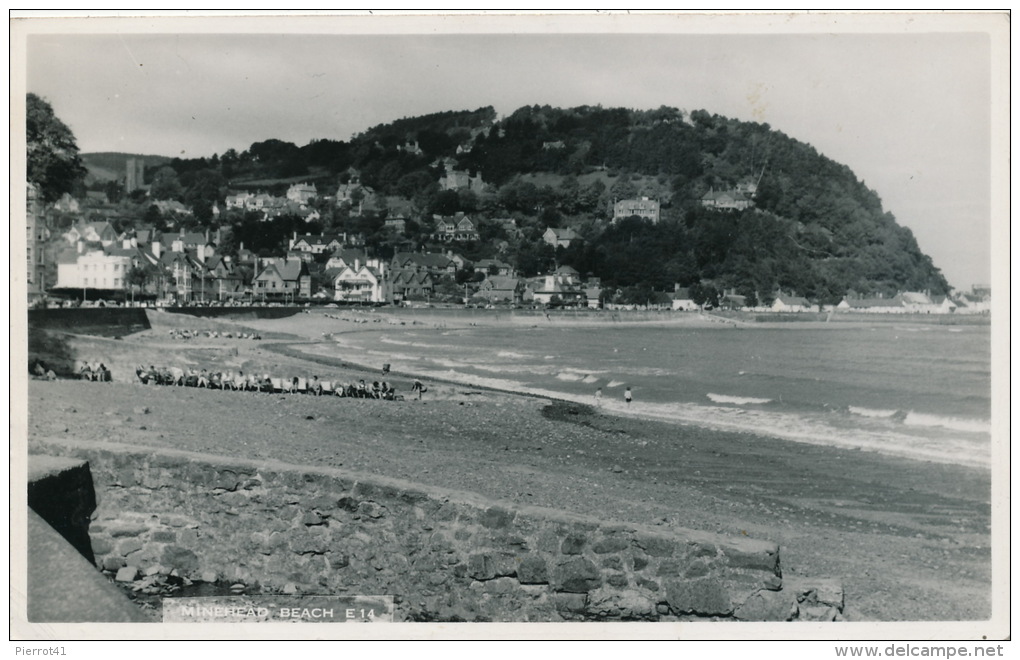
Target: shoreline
column 726, row 419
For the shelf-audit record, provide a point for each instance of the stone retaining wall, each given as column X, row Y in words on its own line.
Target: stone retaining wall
column 443, row 555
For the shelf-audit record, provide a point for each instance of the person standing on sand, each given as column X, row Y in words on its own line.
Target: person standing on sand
column 628, row 396
column 598, row 398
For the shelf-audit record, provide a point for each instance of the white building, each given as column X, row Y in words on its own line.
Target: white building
column 95, row 269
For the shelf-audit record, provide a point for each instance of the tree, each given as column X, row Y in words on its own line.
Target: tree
column 165, row 185
column 53, row 161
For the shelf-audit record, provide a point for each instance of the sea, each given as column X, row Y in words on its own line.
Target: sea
column 911, row 390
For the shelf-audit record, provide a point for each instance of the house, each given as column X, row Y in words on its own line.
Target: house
column 284, row 278
column 457, row 227
column 645, row 208
column 494, row 267
column 594, row 297
column 872, row 305
column 916, row 302
column 410, row 283
column 223, row 280
column 455, row 179
column 397, row 223
column 67, row 204
column 355, row 195
column 94, row 267
column 91, row 232
column 732, row 301
column 361, row 283
column 239, row 201
column 553, row 288
column 346, row 258
column 682, row 300
column 560, row 237
column 317, row 243
column 726, row 200
column 437, row 264
column 500, row 288
column 785, row 303
column 302, row 193
column 568, row 274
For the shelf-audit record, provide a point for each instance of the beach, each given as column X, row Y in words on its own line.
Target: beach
column 910, row 539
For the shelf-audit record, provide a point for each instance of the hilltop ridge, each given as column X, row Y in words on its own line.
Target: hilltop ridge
column 731, row 205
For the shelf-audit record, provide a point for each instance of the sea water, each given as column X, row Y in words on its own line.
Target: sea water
column 913, row 390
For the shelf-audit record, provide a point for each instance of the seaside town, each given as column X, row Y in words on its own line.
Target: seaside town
column 90, row 251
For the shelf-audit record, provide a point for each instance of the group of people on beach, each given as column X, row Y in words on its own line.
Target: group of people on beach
column 96, row 371
column 175, row 376
column 178, row 333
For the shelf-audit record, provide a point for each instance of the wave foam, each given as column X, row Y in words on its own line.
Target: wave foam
column 872, row 412
column 736, row 400
column 951, row 423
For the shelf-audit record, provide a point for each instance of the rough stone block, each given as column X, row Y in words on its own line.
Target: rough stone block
column 697, row 568
column 101, row 546
column 762, row 560
column 113, row 563
column 767, row 606
column 703, row 596
column 610, row 544
column 625, row 605
column 127, row 546
column 490, row 565
column 127, row 529
column 612, row 562
column 640, row 562
column 182, row 559
column 371, row 510
column 496, row 518
column 617, row 580
column 573, row 544
column 645, row 583
column 312, row 518
column 577, row 575
column 127, row 574
column 569, row 602
column 532, row 570
column 164, row 536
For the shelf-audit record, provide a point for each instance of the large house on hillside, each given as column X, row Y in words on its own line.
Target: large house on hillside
column 726, row 200
column 645, row 208
column 457, row 227
column 560, row 237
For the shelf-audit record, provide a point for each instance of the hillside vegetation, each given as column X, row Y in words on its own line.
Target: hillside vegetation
column 814, row 229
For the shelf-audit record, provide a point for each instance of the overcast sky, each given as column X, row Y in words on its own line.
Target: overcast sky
column 908, row 111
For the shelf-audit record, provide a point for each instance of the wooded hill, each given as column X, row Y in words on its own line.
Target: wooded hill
column 813, row 229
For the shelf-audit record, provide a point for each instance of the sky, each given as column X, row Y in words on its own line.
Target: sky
column 906, row 103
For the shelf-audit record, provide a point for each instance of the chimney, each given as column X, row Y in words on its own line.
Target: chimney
column 201, row 253
column 81, row 246
column 156, row 247
column 240, row 247
column 126, row 243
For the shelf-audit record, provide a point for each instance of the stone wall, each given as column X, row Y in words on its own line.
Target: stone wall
column 443, row 555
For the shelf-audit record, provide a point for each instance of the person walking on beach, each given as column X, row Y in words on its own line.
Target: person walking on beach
column 628, row 396
column 598, row 398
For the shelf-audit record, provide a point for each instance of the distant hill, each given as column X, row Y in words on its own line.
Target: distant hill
column 743, row 207
column 110, row 165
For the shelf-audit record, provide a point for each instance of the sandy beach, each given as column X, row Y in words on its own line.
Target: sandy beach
column 911, row 540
